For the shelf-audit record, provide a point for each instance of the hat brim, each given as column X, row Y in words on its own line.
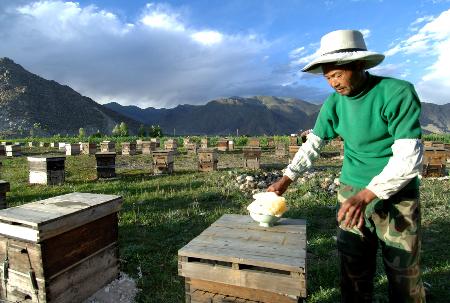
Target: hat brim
column 371, row 59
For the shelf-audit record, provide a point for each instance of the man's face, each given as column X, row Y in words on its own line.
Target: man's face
column 345, row 79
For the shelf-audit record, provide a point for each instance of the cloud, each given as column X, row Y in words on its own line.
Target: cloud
column 158, row 60
column 431, row 41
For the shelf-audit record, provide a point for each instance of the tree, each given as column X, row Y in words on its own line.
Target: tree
column 116, row 130
column 155, row 131
column 141, row 132
column 123, row 129
column 81, row 133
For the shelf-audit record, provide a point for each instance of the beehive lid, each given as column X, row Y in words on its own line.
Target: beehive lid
column 47, row 218
column 45, row 158
column 239, row 239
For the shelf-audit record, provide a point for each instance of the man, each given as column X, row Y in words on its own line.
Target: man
column 378, row 119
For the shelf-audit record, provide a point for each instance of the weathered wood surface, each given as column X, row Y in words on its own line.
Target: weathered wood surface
column 129, row 148
column 280, row 149
column 236, row 293
column 237, row 251
column 207, row 155
column 75, row 284
column 107, row 146
column 88, row 148
column 72, row 149
column 222, row 145
column 47, row 218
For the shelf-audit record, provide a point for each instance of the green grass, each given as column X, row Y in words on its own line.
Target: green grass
column 161, row 214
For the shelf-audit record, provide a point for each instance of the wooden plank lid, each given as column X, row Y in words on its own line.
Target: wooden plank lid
column 239, row 239
column 47, row 218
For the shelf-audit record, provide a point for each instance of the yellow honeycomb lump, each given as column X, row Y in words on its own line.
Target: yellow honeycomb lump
column 268, row 203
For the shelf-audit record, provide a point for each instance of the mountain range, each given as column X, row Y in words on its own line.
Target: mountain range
column 30, row 103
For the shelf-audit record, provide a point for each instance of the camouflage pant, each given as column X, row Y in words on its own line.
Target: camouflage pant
column 394, row 224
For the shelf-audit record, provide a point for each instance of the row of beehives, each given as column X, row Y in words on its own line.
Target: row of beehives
column 435, row 157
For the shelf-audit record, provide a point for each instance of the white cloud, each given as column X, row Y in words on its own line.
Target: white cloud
column 431, row 41
column 207, row 37
column 365, row 32
column 158, row 60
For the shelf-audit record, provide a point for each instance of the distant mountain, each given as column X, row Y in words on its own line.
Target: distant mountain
column 256, row 115
column 435, row 118
column 28, row 102
column 252, row 116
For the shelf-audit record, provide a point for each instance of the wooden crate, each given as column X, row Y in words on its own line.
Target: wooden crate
column 207, row 159
column 222, row 145
column 13, row 150
column 434, row 162
column 172, row 145
column 4, row 188
column 293, row 149
column 108, row 147
column 236, row 257
column 162, row 162
column 61, row 249
column 230, row 145
column 280, row 149
column 88, row 148
column 106, row 164
column 252, row 157
column 48, row 170
column 73, row 149
column 191, row 148
column 129, row 148
column 156, row 141
column 293, row 140
column 62, row 146
column 253, row 142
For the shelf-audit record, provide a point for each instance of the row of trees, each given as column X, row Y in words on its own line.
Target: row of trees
column 121, row 130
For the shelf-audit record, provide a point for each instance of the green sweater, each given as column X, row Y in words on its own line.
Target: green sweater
column 386, row 110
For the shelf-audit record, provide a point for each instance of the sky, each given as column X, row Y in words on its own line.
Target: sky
column 164, row 53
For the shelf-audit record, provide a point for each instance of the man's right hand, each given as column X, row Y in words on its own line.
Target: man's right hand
column 280, row 186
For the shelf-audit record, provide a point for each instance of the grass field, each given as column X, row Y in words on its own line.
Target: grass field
column 163, row 213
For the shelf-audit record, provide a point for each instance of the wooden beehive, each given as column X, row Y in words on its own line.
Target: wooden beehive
column 162, row 162
column 73, row 149
column 32, row 144
column 252, row 156
column 434, row 162
column 44, row 144
column 52, row 144
column 148, row 147
column 293, row 149
column 129, row 148
column 62, row 146
column 293, row 140
column 4, row 188
column 13, row 150
column 88, row 148
column 253, row 142
column 107, row 147
column 230, row 145
column 61, row 249
column 171, row 144
column 156, row 141
column 192, row 148
column 47, row 170
column 280, row 149
column 270, row 142
column 106, row 164
column 207, row 159
column 222, row 145
column 2, row 150
column 236, row 260
column 204, row 143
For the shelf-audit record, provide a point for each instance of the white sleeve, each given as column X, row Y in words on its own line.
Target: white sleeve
column 304, row 157
column 404, row 165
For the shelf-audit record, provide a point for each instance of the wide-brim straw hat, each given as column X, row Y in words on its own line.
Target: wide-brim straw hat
column 342, row 47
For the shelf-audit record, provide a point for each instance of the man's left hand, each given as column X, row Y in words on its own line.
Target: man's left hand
column 352, row 210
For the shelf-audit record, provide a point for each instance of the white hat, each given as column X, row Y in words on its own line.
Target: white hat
column 342, row 47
